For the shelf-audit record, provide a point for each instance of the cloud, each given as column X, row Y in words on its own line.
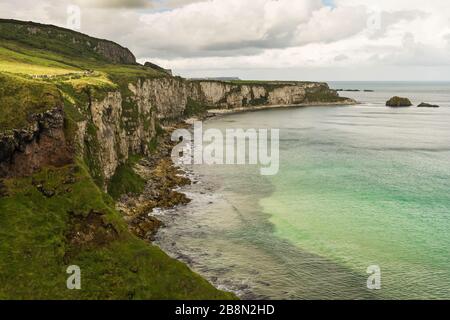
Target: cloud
column 341, row 57
column 234, row 27
column 114, row 3
column 251, row 35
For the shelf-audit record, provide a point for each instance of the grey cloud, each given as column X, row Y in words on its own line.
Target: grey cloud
column 178, row 3
column 415, row 53
column 341, row 57
column 114, row 3
column 388, row 19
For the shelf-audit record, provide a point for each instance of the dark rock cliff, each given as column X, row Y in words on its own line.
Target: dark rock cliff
column 42, row 143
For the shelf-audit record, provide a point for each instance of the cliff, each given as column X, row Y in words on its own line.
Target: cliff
column 121, row 131
column 76, row 114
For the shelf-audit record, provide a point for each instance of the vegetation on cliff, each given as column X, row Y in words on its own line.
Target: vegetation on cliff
column 20, row 98
column 59, row 215
column 65, row 42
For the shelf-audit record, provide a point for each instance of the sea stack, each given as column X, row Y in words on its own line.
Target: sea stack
column 427, row 105
column 398, row 102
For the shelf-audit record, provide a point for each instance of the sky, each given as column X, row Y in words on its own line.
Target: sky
column 318, row 40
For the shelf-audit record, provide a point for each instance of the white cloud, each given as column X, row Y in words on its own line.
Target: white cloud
column 233, row 27
column 246, row 35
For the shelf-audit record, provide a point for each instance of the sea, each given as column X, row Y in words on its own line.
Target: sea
column 360, row 188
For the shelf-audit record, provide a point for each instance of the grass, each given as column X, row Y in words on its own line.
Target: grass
column 62, row 41
column 20, row 98
column 194, row 108
column 35, row 248
column 33, row 79
column 125, row 180
column 322, row 94
column 15, row 62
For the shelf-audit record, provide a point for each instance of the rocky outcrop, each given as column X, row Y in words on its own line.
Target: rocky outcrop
column 427, row 105
column 114, row 53
column 156, row 67
column 398, row 102
column 43, row 143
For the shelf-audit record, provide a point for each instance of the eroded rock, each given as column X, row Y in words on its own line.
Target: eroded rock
column 398, row 102
column 427, row 105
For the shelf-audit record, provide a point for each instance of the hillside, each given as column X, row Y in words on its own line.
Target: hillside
column 65, row 42
column 77, row 115
column 52, row 212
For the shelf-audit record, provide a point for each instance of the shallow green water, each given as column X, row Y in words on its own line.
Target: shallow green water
column 358, row 186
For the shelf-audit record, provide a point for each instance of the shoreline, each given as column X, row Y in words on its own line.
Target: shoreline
column 218, row 112
column 164, row 179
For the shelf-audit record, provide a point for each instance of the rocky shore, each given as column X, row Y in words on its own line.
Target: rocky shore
column 162, row 179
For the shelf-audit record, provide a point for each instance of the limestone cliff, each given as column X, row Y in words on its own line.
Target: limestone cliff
column 108, row 106
column 124, row 126
column 241, row 94
column 124, row 121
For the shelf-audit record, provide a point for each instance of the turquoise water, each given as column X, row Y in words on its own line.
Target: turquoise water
column 358, row 186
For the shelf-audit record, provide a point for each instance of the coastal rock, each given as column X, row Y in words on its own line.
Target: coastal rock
column 43, row 142
column 114, row 53
column 398, row 102
column 427, row 105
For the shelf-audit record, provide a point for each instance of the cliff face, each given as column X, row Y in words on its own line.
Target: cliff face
column 106, row 115
column 125, row 126
column 114, row 53
column 123, row 122
column 43, row 143
column 229, row 95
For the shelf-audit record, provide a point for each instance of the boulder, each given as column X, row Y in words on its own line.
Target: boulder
column 427, row 105
column 398, row 102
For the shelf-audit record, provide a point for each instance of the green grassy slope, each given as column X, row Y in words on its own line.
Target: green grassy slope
column 30, row 75
column 62, row 41
column 41, row 235
column 59, row 216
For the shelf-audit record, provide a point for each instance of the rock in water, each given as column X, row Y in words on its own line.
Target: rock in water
column 399, row 102
column 427, row 105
